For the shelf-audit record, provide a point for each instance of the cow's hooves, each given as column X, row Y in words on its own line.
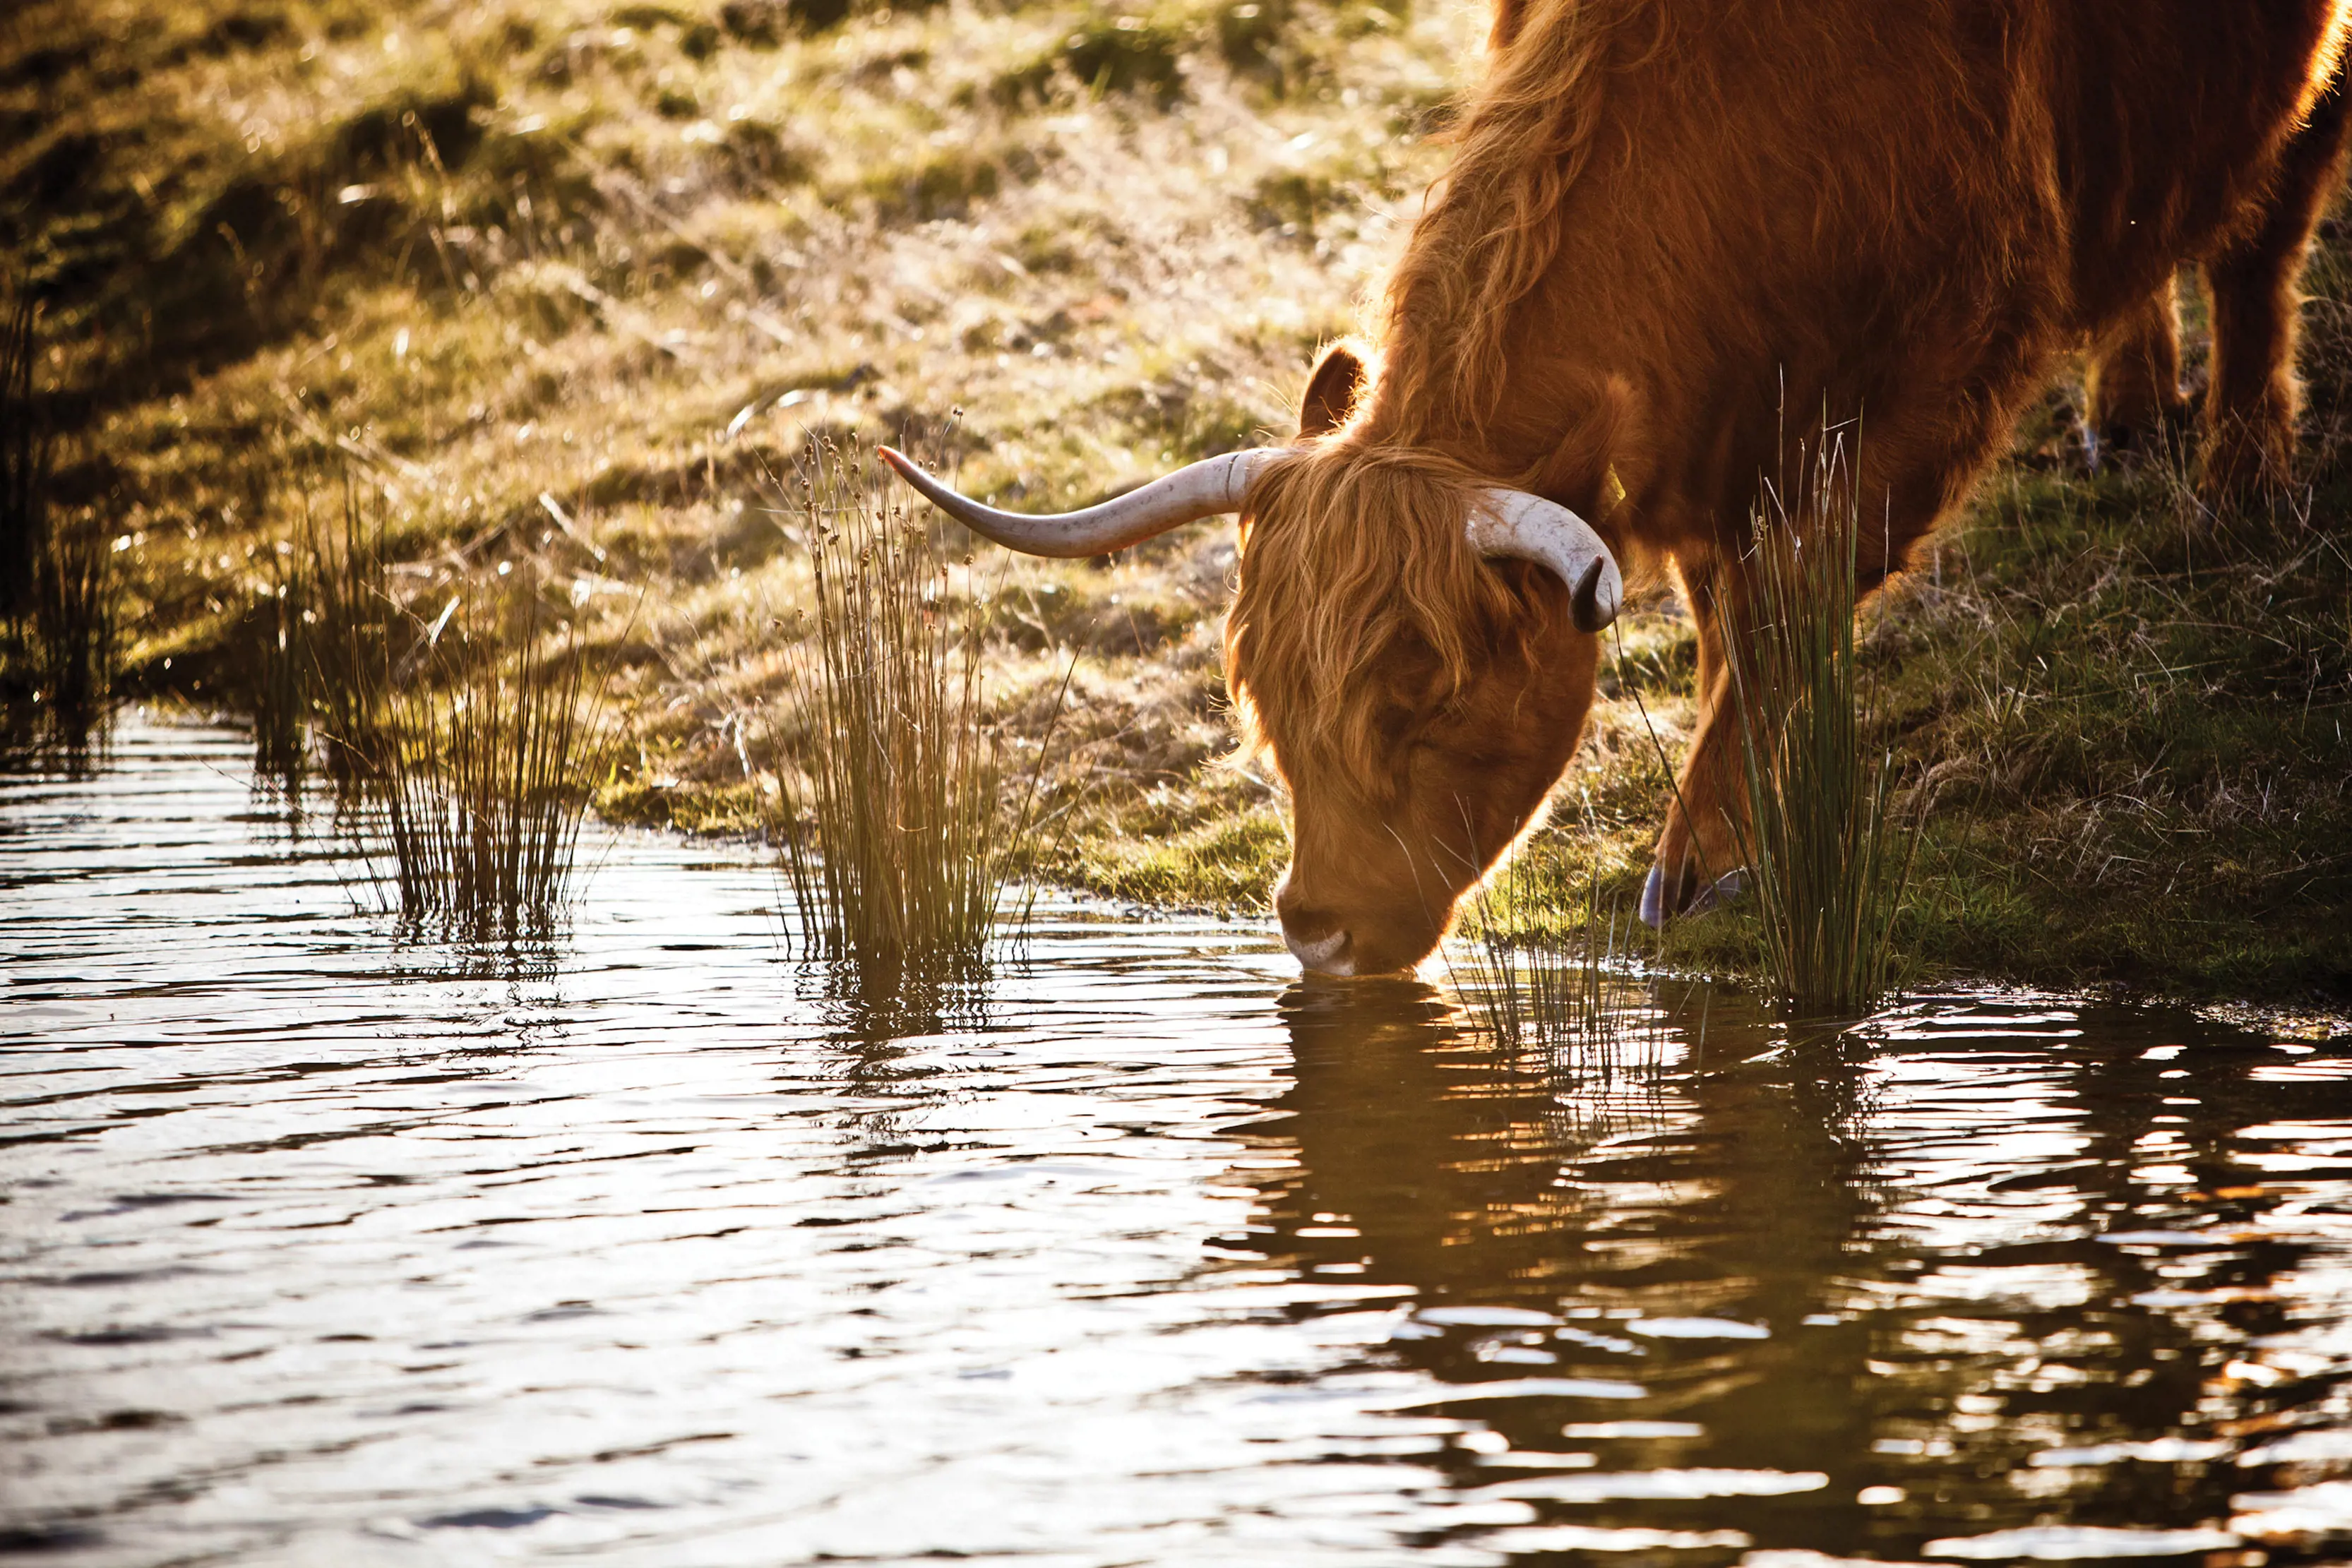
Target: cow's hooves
column 1720, row 892
column 1653, row 899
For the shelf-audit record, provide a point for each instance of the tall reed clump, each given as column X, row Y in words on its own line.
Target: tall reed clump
column 905, row 819
column 493, row 754
column 77, row 640
column 325, row 628
column 58, row 636
column 1826, row 851
column 465, row 744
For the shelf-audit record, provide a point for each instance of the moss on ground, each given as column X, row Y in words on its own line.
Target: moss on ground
column 574, row 280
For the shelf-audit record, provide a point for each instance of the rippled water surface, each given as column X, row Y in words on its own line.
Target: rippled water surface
column 317, row 1248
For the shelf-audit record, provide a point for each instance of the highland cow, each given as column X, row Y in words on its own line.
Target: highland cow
column 1664, row 226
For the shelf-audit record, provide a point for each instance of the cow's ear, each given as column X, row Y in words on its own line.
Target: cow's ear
column 1331, row 391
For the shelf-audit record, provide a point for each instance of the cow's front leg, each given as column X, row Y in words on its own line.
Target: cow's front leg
column 1698, row 852
column 2133, row 385
column 1699, row 849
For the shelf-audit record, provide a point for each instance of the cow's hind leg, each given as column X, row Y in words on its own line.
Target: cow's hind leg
column 2134, row 384
column 2249, row 406
column 1700, row 845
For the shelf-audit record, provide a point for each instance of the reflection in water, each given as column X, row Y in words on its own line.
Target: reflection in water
column 1998, row 1287
column 657, row 1248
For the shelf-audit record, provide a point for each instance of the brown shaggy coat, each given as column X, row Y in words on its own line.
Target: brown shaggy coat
column 1669, row 220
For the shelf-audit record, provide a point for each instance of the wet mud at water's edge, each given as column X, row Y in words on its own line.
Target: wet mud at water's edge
column 645, row 1248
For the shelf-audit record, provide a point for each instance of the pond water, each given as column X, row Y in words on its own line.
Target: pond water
column 319, row 1247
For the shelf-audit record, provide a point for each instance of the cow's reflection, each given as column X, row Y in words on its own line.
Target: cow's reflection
column 1692, row 1240
column 1625, row 1179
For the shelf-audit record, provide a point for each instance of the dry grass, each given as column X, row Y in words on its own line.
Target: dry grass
column 623, row 257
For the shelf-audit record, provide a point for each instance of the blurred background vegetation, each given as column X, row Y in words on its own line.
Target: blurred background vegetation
column 571, row 283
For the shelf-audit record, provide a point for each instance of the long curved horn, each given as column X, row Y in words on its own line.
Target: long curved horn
column 1198, row 490
column 1516, row 524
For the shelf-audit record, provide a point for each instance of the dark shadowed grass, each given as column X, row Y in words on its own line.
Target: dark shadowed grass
column 26, row 450
column 903, row 820
column 59, row 620
column 466, row 732
column 75, row 636
column 1828, row 857
column 2133, row 714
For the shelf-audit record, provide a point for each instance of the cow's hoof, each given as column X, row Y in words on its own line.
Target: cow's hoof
column 1719, row 892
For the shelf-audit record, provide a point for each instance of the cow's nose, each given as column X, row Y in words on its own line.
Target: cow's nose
column 1319, row 942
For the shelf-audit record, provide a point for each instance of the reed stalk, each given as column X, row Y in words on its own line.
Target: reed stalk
column 905, row 820
column 281, row 687
column 1825, row 850
column 351, row 636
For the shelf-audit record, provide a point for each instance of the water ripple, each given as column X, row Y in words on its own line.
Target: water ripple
column 651, row 1246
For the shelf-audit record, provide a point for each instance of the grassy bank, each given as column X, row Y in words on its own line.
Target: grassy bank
column 574, row 281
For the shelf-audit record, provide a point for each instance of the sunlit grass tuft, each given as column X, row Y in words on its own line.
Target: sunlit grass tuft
column 494, row 758
column 905, row 818
column 1827, row 856
column 466, row 733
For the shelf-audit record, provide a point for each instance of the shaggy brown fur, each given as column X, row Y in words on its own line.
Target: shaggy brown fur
column 1668, row 223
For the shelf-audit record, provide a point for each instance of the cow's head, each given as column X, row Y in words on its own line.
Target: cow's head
column 1414, row 648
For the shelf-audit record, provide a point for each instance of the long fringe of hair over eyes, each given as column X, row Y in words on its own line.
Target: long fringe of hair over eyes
column 1348, row 550
column 1355, row 541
